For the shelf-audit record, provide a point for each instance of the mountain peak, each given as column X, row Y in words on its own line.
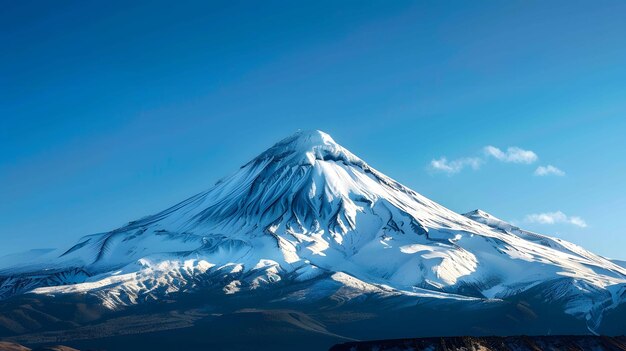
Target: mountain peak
column 477, row 213
column 304, row 147
column 483, row 217
column 306, row 140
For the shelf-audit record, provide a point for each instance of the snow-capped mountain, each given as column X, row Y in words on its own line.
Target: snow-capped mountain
column 309, row 214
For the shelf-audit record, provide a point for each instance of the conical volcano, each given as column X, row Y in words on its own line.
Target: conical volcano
column 309, row 221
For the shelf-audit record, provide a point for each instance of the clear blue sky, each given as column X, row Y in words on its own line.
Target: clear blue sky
column 110, row 112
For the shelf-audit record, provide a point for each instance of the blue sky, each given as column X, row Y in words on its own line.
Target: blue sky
column 110, row 112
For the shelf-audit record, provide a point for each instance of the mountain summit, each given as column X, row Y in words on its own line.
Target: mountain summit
column 307, row 221
column 304, row 147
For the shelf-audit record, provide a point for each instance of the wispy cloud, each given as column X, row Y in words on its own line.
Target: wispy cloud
column 512, row 154
column 548, row 170
column 555, row 218
column 455, row 166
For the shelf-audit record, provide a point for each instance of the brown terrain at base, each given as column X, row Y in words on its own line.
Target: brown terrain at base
column 493, row 343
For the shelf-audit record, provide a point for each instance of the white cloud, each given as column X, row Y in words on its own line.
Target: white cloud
column 577, row 221
column 513, row 154
column 554, row 218
column 455, row 166
column 548, row 170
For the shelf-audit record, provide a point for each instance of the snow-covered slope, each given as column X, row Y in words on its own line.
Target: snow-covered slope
column 308, row 210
